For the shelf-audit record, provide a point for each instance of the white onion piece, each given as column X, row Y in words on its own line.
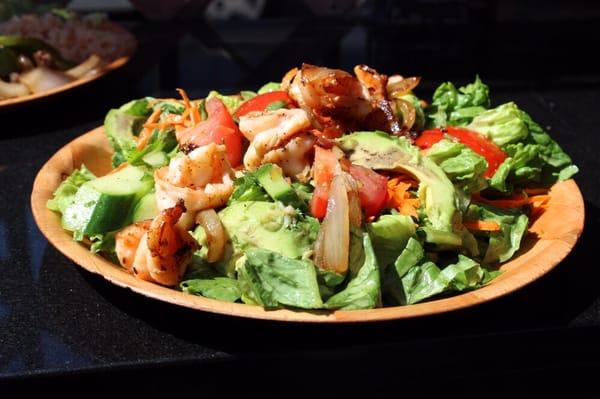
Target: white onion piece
column 78, row 71
column 333, row 243
column 8, row 90
column 354, row 209
column 215, row 234
column 42, row 79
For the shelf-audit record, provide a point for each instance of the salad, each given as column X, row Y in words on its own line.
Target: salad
column 326, row 190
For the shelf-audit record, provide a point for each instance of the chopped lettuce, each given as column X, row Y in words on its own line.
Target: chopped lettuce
column 463, row 166
column 457, row 107
column 65, row 193
column 221, row 288
column 272, row 280
column 247, row 188
column 231, row 102
column 389, row 235
column 501, row 125
column 269, row 87
column 499, row 246
column 364, row 290
column 533, row 157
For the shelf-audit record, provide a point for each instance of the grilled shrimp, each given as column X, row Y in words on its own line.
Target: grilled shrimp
column 202, row 179
column 269, row 130
column 293, row 157
column 157, row 250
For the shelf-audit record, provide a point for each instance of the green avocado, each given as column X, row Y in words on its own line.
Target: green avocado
column 270, row 226
column 381, row 151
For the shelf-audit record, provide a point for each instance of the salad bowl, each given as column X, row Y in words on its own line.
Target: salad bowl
column 551, row 237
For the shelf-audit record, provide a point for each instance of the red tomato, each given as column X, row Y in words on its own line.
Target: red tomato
column 475, row 141
column 318, row 203
column 218, row 128
column 261, row 102
column 373, row 189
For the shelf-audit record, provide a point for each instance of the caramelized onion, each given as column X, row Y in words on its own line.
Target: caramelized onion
column 86, row 66
column 333, row 243
column 407, row 111
column 42, row 79
column 215, row 234
column 397, row 86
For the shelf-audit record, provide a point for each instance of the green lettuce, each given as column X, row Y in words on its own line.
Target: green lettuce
column 463, row 166
column 247, row 188
column 499, row 246
column 533, row 157
column 272, row 280
column 231, row 102
column 269, row 87
column 221, row 288
column 65, row 193
column 389, row 235
column 457, row 107
column 364, row 290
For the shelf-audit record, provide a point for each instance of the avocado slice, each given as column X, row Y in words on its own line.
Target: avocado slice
column 266, row 225
column 381, row 151
column 270, row 176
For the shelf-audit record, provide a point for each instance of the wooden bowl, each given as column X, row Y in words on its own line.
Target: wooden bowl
column 118, row 63
column 554, row 235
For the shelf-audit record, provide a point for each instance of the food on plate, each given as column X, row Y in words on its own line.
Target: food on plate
column 327, row 190
column 42, row 52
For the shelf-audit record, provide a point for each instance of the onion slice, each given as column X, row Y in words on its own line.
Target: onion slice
column 397, row 86
column 80, row 70
column 215, row 234
column 42, row 79
column 333, row 243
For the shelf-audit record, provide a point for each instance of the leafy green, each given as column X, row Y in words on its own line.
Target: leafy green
column 272, row 280
column 247, row 95
column 247, row 188
column 410, row 257
column 221, row 288
column 463, row 166
column 269, row 87
column 457, row 107
column 501, row 245
column 389, row 235
column 65, row 193
column 103, row 243
column 427, row 280
column 501, row 125
column 364, row 290
column 275, row 105
column 533, row 157
column 231, row 102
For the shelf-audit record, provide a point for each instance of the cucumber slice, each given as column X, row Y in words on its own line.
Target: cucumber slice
column 145, row 208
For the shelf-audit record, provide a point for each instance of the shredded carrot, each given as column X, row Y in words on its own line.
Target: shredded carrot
column 146, row 133
column 481, row 225
column 400, row 198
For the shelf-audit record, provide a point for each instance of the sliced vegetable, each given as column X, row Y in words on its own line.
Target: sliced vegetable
column 263, row 101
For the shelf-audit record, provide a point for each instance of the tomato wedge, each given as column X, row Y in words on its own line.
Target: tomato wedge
column 372, row 191
column 261, row 102
column 475, row 141
column 218, row 128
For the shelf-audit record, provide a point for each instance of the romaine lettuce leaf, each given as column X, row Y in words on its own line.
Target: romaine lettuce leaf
column 364, row 290
column 272, row 280
column 269, row 87
column 221, row 288
column 501, row 245
column 389, row 235
column 457, row 107
column 501, row 125
column 247, row 188
column 231, row 102
column 65, row 193
column 463, row 166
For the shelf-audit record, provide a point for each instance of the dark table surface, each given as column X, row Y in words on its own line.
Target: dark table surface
column 59, row 322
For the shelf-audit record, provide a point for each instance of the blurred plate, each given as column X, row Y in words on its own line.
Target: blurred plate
column 118, row 63
column 553, row 236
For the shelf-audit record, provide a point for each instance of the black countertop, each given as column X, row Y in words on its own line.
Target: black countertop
column 59, row 322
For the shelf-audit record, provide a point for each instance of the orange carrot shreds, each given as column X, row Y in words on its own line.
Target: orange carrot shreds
column 195, row 115
column 186, row 99
column 143, row 138
column 481, row 225
column 401, row 199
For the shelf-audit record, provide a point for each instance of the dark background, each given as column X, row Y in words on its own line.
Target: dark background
column 63, row 328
